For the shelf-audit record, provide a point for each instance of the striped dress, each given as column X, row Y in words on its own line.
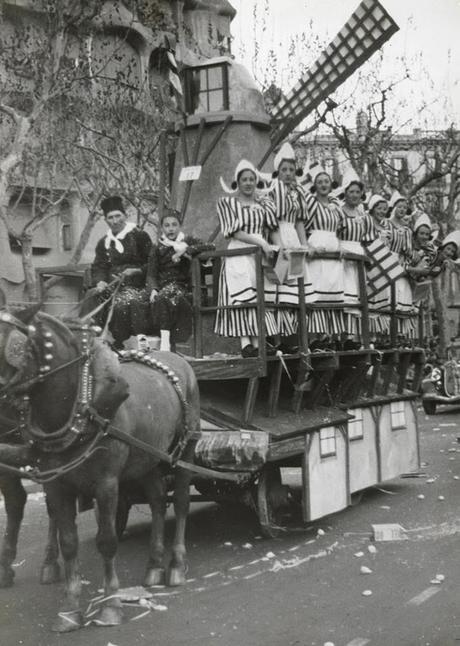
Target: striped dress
column 399, row 241
column 356, row 229
column 324, row 281
column 290, row 209
column 237, row 283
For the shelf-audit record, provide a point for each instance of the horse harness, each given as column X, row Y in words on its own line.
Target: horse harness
column 86, row 426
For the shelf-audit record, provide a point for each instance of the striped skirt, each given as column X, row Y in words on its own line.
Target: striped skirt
column 237, row 286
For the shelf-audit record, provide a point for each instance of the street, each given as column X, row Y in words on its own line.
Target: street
column 304, row 589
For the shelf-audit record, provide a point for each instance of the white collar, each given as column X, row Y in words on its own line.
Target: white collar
column 109, row 238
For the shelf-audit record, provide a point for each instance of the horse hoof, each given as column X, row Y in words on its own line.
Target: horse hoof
column 154, row 576
column 176, row 576
column 50, row 573
column 67, row 622
column 6, row 577
column 109, row 616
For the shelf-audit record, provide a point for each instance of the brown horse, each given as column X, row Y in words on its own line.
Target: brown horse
column 151, row 404
column 15, row 497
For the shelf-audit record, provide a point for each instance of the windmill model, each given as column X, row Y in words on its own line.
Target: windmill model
column 227, row 120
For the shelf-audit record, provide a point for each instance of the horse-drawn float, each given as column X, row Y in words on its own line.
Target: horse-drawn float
column 293, row 434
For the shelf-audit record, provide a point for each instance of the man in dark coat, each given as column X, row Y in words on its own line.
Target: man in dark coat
column 123, row 252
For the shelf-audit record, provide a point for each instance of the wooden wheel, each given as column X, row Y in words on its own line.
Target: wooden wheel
column 429, row 406
column 272, row 496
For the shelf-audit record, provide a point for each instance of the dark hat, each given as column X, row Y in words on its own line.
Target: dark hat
column 112, row 203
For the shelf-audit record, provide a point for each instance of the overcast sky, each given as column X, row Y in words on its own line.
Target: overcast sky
column 429, row 40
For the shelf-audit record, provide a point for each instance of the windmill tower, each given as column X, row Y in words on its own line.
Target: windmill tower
column 227, row 118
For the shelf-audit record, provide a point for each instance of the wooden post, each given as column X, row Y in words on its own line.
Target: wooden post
column 196, row 151
column 302, row 314
column 365, row 332
column 197, row 319
column 261, row 309
column 162, row 178
column 393, row 319
column 250, row 400
column 303, row 345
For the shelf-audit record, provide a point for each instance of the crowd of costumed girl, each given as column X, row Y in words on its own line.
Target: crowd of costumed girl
column 302, row 209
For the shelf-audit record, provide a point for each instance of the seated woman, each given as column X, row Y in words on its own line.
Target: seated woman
column 169, row 282
column 244, row 219
column 123, row 252
column 289, row 199
column 324, row 283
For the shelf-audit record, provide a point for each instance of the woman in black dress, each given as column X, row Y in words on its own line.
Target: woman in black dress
column 123, row 252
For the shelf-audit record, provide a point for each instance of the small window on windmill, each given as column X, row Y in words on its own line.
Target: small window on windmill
column 398, row 415
column 356, row 425
column 206, row 88
column 327, row 442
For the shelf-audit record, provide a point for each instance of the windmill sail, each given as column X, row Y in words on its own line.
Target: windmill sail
column 365, row 32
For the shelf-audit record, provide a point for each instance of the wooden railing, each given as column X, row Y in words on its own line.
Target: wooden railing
column 200, row 310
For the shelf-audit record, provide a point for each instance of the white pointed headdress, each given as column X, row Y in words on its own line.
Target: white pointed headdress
column 395, row 198
column 315, row 170
column 350, row 176
column 243, row 165
column 452, row 237
column 374, row 200
column 422, row 220
column 285, row 152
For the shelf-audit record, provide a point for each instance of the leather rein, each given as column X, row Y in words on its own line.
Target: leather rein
column 86, row 426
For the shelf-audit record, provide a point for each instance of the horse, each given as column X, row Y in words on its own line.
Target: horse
column 15, row 496
column 76, row 395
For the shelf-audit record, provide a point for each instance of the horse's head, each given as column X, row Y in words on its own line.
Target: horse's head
column 16, row 334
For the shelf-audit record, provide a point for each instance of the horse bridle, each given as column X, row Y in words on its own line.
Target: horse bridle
column 44, row 370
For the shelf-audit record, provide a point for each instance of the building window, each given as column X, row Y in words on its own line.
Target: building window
column 67, row 242
column 327, row 442
column 398, row 415
column 206, row 88
column 356, row 425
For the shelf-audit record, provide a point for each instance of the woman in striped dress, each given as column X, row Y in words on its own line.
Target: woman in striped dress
column 244, row 219
column 355, row 230
column 324, row 284
column 289, row 199
column 398, row 240
column 404, row 247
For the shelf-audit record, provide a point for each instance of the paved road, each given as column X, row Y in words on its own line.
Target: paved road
column 304, row 589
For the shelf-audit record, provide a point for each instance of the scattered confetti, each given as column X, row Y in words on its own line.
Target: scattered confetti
column 359, row 554
column 321, row 532
column 441, row 498
column 440, row 577
column 228, row 544
column 366, row 593
column 372, row 549
column 421, row 496
column 365, row 570
column 430, row 480
column 247, row 546
column 270, row 555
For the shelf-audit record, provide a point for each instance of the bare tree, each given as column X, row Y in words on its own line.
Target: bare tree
column 78, row 116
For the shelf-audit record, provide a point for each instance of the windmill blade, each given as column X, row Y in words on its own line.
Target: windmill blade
column 365, row 32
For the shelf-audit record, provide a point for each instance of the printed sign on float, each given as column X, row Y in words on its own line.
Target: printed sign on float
column 190, row 173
